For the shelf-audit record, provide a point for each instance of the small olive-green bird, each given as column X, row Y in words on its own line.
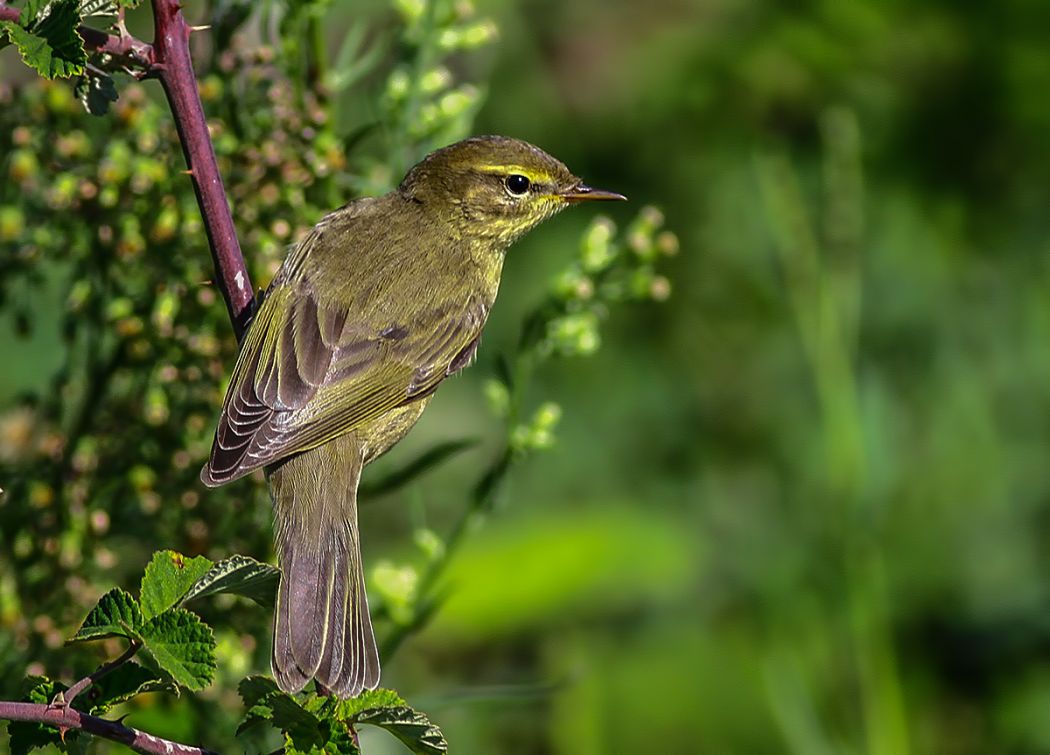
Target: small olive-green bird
column 380, row 302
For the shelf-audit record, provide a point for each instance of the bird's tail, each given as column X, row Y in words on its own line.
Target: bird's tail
column 322, row 628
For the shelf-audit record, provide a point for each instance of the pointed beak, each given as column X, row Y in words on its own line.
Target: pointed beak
column 584, row 193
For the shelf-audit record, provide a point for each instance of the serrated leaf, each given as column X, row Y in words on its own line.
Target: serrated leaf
column 239, row 575
column 413, row 728
column 123, row 683
column 369, row 700
column 167, row 580
column 424, row 462
column 24, row 736
column 115, row 615
column 31, row 10
column 252, row 689
column 341, row 742
column 92, row 8
column 283, row 712
column 96, row 91
column 183, row 646
column 47, row 39
column 338, row 742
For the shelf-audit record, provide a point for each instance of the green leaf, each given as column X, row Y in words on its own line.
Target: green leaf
column 128, row 3
column 47, row 39
column 369, row 700
column 183, row 645
column 284, row 712
column 413, row 728
column 308, row 726
column 168, row 579
column 239, row 575
column 123, row 683
column 340, row 742
column 92, row 8
column 401, row 477
column 386, row 709
column 96, row 91
column 257, row 693
column 31, row 10
column 115, row 615
column 252, row 689
column 28, row 735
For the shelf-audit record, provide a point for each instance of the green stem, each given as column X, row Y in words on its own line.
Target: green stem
column 422, row 63
column 316, row 55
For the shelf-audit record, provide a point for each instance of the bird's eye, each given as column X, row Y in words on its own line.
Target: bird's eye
column 517, row 184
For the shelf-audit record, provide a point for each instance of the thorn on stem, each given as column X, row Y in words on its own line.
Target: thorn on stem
column 187, row 172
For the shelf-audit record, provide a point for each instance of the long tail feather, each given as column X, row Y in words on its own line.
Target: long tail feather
column 322, row 628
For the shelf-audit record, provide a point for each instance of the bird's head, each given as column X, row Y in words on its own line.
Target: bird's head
column 495, row 188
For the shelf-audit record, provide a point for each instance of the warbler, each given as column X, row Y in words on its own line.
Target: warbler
column 382, row 300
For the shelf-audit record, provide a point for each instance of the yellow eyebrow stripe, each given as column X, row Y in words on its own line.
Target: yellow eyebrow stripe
column 504, row 169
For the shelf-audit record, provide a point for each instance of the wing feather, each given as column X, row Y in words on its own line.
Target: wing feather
column 306, row 374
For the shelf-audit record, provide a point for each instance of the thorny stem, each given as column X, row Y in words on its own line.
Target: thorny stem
column 167, row 59
column 65, row 718
column 174, row 68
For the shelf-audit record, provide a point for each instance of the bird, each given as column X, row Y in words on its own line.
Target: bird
column 371, row 310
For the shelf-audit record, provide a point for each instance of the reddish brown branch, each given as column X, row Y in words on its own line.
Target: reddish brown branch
column 168, row 59
column 65, row 719
column 173, row 66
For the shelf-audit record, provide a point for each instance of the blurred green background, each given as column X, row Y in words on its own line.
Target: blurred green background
column 804, row 504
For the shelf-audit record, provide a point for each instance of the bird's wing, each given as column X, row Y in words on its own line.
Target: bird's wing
column 308, row 373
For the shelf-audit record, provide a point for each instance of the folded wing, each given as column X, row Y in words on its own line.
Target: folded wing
column 307, row 374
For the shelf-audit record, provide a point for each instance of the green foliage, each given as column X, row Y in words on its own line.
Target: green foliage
column 116, row 614
column 421, row 104
column 434, row 456
column 96, row 92
column 168, row 579
column 410, row 726
column 323, row 724
column 238, row 575
column 174, row 639
column 98, row 8
column 102, row 433
column 127, row 681
column 47, row 39
column 182, row 645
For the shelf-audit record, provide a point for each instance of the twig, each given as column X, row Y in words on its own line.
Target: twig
column 173, row 66
column 71, row 694
column 168, row 59
column 64, row 719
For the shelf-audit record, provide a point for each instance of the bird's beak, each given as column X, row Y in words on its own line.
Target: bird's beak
column 584, row 193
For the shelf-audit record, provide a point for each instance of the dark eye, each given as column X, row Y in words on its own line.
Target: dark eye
column 517, row 184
